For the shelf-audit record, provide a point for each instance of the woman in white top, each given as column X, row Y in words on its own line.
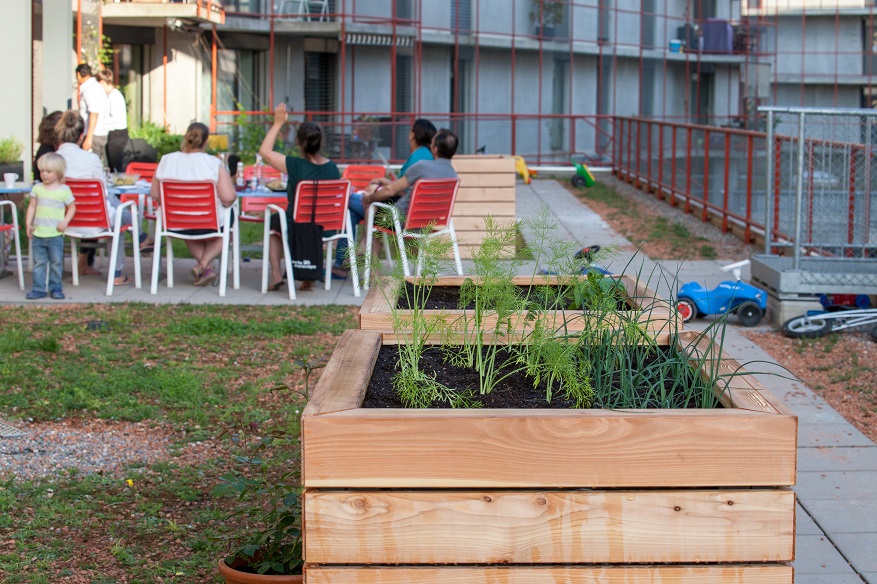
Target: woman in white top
column 117, row 122
column 69, row 132
column 193, row 163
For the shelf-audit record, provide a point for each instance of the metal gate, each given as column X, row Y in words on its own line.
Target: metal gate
column 820, row 202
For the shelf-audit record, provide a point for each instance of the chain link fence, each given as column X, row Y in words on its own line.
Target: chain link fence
column 820, row 197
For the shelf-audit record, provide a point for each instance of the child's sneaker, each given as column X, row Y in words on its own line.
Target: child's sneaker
column 33, row 295
column 58, row 295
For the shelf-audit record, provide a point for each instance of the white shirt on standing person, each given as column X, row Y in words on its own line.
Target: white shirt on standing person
column 117, row 116
column 93, row 100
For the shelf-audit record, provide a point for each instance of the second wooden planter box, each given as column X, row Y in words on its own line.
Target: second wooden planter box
column 657, row 316
column 522, row 496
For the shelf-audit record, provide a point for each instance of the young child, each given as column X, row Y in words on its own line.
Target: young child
column 50, row 210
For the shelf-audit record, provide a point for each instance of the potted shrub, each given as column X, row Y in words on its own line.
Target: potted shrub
column 269, row 552
column 10, row 157
column 539, row 493
column 546, row 15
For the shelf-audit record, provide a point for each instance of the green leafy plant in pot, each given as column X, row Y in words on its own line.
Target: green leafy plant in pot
column 10, row 157
column 270, row 551
column 545, row 16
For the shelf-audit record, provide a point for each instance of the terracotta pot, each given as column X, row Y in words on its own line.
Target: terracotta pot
column 233, row 576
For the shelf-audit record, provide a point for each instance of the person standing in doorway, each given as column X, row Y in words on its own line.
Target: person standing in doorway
column 117, row 122
column 93, row 107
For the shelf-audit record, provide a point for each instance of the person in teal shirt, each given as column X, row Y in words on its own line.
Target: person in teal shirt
column 420, row 138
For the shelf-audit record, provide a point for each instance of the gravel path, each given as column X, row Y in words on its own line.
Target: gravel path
column 109, row 448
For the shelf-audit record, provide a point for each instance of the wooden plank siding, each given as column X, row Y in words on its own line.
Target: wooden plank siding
column 550, row 526
column 665, row 574
column 540, row 495
column 487, row 186
column 659, row 319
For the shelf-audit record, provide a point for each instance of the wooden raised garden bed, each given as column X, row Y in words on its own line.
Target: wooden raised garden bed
column 657, row 316
column 545, row 495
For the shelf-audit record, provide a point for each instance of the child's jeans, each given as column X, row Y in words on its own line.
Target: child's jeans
column 48, row 258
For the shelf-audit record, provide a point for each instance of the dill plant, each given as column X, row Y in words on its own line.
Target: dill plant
column 611, row 361
column 416, row 388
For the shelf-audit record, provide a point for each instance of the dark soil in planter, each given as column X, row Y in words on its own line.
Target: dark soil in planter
column 516, row 391
column 448, row 298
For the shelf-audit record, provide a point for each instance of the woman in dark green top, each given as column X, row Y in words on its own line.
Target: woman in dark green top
column 311, row 166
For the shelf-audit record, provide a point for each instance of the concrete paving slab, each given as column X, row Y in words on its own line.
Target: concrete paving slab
column 818, row 413
column 837, row 458
column 828, row 578
column 840, row 434
column 870, row 577
column 836, row 485
column 815, row 554
column 860, row 549
column 804, row 524
column 843, row 516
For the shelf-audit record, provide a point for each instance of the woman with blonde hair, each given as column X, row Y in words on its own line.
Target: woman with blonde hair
column 192, row 163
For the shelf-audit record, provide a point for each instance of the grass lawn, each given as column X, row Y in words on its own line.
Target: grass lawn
column 186, row 373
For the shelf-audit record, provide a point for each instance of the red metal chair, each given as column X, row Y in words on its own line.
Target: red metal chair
column 360, row 175
column 193, row 205
column 331, row 212
column 13, row 228
column 92, row 221
column 146, row 170
column 429, row 215
column 250, row 206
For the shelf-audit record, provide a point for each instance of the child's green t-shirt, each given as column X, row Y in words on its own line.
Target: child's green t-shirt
column 51, row 207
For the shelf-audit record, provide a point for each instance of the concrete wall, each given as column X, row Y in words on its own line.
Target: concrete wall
column 16, row 114
column 182, row 104
column 436, row 71
column 832, row 45
column 369, row 79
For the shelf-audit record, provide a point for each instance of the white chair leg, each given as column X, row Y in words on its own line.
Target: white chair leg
column 135, row 236
column 74, row 259
column 169, row 268
column 354, row 270
column 400, row 241
column 236, row 256
column 156, row 257
column 114, row 254
column 266, row 249
column 369, row 238
column 287, row 256
column 327, row 276
column 17, row 240
column 456, row 247
column 223, row 264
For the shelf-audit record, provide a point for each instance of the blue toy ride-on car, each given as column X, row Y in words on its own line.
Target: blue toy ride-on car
column 748, row 302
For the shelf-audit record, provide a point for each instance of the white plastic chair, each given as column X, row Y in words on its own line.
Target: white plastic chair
column 265, row 206
column 13, row 228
